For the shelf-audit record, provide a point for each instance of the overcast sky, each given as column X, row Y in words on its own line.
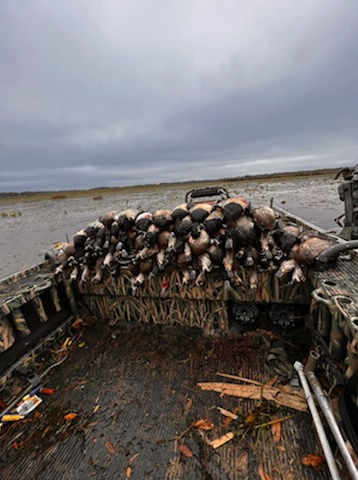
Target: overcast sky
column 114, row 92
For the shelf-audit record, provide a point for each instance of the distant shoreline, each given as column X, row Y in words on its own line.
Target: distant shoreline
column 98, row 193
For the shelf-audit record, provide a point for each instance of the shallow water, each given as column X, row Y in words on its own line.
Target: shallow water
column 25, row 238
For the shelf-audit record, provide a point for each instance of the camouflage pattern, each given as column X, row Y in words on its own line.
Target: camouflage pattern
column 22, row 287
column 55, row 298
column 7, row 334
column 19, row 323
column 269, row 288
column 334, row 307
column 164, row 300
column 205, row 314
column 39, row 308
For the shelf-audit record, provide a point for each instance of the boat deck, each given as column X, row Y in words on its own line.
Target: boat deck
column 134, row 390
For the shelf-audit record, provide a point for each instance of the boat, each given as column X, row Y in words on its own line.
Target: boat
column 184, row 381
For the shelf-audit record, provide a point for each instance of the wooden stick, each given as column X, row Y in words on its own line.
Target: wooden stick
column 227, row 413
column 242, row 379
column 294, row 401
column 218, row 442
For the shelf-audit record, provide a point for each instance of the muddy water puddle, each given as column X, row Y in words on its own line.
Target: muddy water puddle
column 36, row 227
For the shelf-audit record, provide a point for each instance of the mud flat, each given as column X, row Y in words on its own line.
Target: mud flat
column 30, row 226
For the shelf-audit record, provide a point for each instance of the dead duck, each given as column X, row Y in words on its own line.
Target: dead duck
column 184, row 263
column 306, row 252
column 143, row 221
column 199, row 240
column 183, row 226
column 66, row 251
column 228, row 263
column 98, row 271
column 126, row 219
column 264, row 218
column 180, row 212
column 162, row 219
column 85, row 274
column 217, row 253
column 287, row 266
column 244, row 231
column 287, row 236
column 206, row 266
column 147, row 252
column 200, row 211
column 214, row 221
column 233, row 208
column 107, row 219
column 95, row 238
column 151, row 235
column 163, row 242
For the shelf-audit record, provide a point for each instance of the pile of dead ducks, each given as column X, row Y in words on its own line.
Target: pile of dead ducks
column 229, row 235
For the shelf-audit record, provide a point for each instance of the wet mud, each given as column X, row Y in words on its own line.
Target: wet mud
column 37, row 226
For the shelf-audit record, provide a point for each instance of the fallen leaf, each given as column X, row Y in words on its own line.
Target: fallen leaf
column 70, row 416
column 15, row 445
column 81, row 345
column 185, row 450
column 188, row 405
column 227, row 413
column 263, row 475
column 250, row 419
column 129, row 472
column 79, row 323
column 281, row 448
column 218, row 442
column 276, row 431
column 110, row 448
column 37, row 414
column 204, row 424
column 96, row 408
column 312, row 460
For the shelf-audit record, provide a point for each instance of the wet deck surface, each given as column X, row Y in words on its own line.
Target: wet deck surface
column 134, row 388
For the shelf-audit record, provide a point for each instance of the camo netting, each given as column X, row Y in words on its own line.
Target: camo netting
column 164, row 300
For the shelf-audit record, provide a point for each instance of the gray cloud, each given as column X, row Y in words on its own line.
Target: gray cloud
column 119, row 92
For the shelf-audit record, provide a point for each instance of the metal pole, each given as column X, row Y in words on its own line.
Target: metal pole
column 317, row 421
column 327, row 411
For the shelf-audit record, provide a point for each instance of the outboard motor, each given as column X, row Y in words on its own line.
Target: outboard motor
column 348, row 193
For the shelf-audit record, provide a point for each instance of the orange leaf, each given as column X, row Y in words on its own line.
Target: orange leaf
column 204, row 424
column 129, row 472
column 15, row 445
column 263, row 475
column 188, row 405
column 312, row 460
column 276, row 431
column 37, row 414
column 110, row 447
column 70, row 416
column 226, row 422
column 78, row 324
column 185, row 450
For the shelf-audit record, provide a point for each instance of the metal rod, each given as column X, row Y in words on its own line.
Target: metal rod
column 317, row 421
column 327, row 411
